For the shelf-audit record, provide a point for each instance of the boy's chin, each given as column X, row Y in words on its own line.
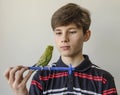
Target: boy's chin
column 66, row 55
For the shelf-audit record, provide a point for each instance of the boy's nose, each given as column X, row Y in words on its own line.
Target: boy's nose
column 65, row 38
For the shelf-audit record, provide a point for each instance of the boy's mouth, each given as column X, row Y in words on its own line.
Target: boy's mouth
column 65, row 47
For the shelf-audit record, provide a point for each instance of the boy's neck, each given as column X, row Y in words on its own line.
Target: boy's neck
column 74, row 61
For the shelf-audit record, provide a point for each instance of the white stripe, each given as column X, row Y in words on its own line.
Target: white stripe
column 95, row 67
column 65, row 93
column 85, row 91
column 76, row 91
column 54, row 90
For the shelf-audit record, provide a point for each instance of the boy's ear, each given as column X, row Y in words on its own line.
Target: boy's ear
column 87, row 35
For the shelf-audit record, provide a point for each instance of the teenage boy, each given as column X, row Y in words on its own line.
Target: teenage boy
column 70, row 26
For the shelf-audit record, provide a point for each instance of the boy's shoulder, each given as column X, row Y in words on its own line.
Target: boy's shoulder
column 100, row 71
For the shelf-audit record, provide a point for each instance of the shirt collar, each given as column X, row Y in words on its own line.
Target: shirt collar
column 85, row 65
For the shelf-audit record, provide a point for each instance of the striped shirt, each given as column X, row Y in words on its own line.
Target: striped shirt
column 86, row 79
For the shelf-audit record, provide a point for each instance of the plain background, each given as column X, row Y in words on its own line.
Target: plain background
column 25, row 31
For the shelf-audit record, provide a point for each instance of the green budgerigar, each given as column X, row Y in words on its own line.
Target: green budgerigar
column 45, row 57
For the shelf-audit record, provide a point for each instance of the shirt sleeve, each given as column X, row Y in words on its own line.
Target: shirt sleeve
column 36, row 87
column 109, row 87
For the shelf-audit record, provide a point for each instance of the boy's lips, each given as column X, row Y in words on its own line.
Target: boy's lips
column 65, row 47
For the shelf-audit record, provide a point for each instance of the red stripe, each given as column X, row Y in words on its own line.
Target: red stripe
column 109, row 91
column 51, row 76
column 91, row 77
column 36, row 84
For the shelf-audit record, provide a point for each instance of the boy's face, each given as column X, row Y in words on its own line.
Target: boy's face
column 69, row 40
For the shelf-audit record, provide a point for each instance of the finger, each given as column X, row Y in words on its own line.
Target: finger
column 26, row 78
column 12, row 73
column 6, row 73
column 19, row 75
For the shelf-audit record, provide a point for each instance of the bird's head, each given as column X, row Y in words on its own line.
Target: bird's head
column 50, row 48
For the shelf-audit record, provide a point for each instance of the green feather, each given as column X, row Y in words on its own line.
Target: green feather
column 46, row 56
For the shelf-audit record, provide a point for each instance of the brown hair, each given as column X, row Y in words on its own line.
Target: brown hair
column 71, row 13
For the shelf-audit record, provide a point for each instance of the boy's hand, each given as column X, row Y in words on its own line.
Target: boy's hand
column 16, row 80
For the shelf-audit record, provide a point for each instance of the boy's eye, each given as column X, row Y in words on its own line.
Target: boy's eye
column 72, row 32
column 58, row 33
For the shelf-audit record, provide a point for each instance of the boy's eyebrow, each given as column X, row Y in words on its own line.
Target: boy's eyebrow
column 72, row 28
column 57, row 29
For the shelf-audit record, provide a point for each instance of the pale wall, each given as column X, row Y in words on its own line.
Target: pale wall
column 25, row 31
